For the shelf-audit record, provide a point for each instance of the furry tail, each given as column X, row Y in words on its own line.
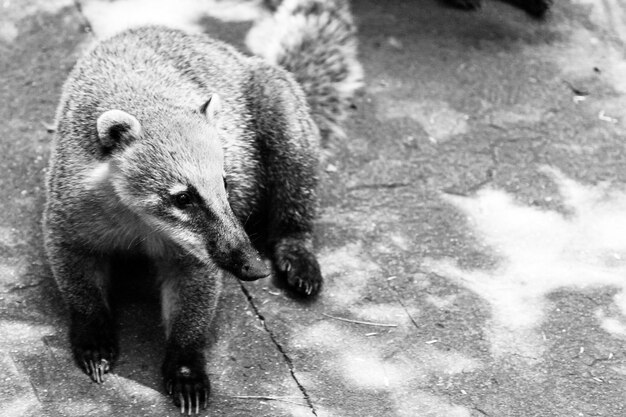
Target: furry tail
column 316, row 41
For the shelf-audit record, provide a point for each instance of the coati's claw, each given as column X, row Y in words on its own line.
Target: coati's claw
column 94, row 346
column 187, row 384
column 92, row 371
column 95, row 375
column 189, row 397
column 297, row 268
column 96, row 369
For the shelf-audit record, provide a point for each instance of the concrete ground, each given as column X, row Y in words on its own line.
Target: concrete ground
column 472, row 231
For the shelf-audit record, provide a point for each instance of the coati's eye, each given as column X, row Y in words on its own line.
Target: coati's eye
column 182, row 200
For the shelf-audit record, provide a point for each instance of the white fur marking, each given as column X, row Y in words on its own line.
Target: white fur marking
column 180, row 214
column 96, row 175
column 151, row 200
column 178, row 188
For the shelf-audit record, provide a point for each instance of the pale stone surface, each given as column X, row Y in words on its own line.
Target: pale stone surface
column 473, row 219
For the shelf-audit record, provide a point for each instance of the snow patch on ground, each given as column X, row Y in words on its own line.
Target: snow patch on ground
column 20, row 333
column 423, row 404
column 385, row 313
column 108, row 18
column 12, row 11
column 542, row 251
column 364, row 358
column 347, row 271
column 590, row 55
column 607, row 13
column 25, row 404
column 8, row 32
column 438, row 119
column 612, row 325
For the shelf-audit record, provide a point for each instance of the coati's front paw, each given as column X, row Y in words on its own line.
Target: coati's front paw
column 186, row 380
column 94, row 346
column 297, row 268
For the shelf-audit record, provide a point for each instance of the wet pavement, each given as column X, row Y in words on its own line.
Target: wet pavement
column 472, row 230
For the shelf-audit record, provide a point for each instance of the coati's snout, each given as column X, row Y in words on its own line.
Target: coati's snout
column 248, row 266
column 229, row 246
column 205, row 225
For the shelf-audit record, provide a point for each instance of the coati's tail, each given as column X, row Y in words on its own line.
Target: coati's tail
column 316, row 41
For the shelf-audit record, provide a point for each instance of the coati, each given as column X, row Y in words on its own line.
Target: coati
column 535, row 8
column 177, row 146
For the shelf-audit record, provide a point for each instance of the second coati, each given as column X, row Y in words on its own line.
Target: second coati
column 174, row 146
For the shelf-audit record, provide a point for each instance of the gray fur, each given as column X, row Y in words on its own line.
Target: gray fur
column 316, row 41
column 111, row 180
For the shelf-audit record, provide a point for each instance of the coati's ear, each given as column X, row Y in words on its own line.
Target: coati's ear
column 117, row 126
column 212, row 108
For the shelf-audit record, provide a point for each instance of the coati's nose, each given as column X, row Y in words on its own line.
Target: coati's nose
column 253, row 268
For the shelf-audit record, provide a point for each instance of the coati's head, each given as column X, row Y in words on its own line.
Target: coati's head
column 170, row 172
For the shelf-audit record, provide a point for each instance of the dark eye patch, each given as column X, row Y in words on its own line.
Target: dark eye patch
column 182, row 200
column 185, row 199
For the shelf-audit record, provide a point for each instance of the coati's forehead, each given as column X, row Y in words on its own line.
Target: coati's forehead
column 175, row 161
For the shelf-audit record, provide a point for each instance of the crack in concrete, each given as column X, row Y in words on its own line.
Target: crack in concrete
column 280, row 348
column 469, row 191
column 481, row 411
column 399, row 300
column 27, row 376
column 50, row 351
column 377, row 186
column 598, row 360
column 490, row 173
column 492, row 169
column 20, row 287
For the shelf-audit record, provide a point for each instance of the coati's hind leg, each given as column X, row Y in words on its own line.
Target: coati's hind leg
column 288, row 142
column 189, row 295
column 84, row 279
